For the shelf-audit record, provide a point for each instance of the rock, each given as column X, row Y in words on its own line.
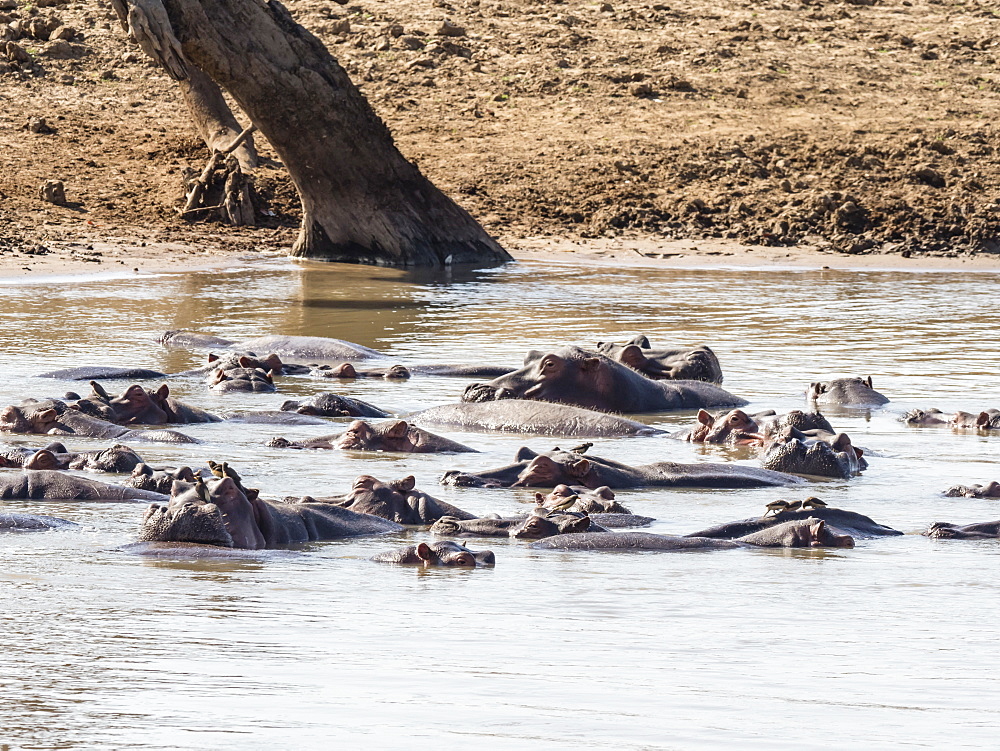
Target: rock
column 343, row 26
column 53, row 191
column 421, row 62
column 8, row 4
column 786, row 186
column 130, row 57
column 641, row 90
column 382, row 44
column 930, row 176
column 50, row 3
column 410, row 43
column 62, row 50
column 562, row 63
column 448, row 29
column 395, row 31
column 66, row 79
column 108, row 75
column 37, row 125
column 15, row 52
column 63, row 32
column 606, row 8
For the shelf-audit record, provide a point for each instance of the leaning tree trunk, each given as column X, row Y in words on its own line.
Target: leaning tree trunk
column 361, row 200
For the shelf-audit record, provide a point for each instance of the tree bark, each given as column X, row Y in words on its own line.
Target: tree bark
column 362, row 201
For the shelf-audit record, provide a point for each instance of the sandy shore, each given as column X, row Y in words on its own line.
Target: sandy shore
column 113, row 258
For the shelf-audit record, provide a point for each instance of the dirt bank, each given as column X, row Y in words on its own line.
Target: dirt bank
column 852, row 127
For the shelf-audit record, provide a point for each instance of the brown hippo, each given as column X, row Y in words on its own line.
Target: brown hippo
column 443, row 553
column 117, row 458
column 55, row 417
column 846, row 392
column 397, row 501
column 102, row 373
column 347, row 371
column 145, row 477
column 220, row 511
column 597, row 501
column 574, row 376
column 139, row 406
column 821, row 455
column 739, row 428
column 989, row 490
column 243, row 380
column 979, row 531
column 696, row 364
column 395, row 435
column 848, row 522
column 988, row 419
column 333, row 405
column 546, row 470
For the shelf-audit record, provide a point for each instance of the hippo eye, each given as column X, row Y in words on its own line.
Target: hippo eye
column 548, row 365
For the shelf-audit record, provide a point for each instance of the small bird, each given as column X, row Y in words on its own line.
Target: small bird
column 776, row 507
column 564, row 503
column 793, row 506
column 813, row 503
column 582, row 448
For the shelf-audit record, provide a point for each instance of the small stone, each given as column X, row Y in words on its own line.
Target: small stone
column 63, row 32
column 606, row 8
column 410, row 43
column 8, row 4
column 15, row 52
column 382, row 44
column 395, row 31
column 130, row 57
column 448, row 29
column 53, row 191
column 37, row 125
column 343, row 26
column 562, row 63
column 66, row 79
column 641, row 90
column 108, row 75
column 786, row 186
column 931, row 176
column 421, row 62
column 61, row 50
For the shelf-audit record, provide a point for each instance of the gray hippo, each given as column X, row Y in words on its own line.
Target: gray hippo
column 846, row 392
column 53, row 485
column 15, row 522
column 802, row 533
column 574, row 376
column 989, row 490
column 524, row 416
column 736, row 427
column 695, row 364
column 555, row 522
column 979, row 531
column 333, row 405
column 597, row 501
column 102, row 373
column 117, row 458
column 443, row 553
column 269, row 364
column 242, row 380
column 54, row 417
column 546, row 470
column 397, row 501
column 346, row 371
column 219, row 511
column 820, row 455
column 139, row 406
column 849, row 522
column 394, row 435
column 161, row 480
column 988, row 419
column 306, row 347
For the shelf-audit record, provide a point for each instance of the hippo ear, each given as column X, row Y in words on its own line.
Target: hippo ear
column 251, row 493
column 141, row 469
column 868, row 380
column 817, row 388
column 590, row 364
column 816, row 527
column 579, row 468
column 405, row 484
column 185, row 473
column 397, row 429
column 983, row 420
column 273, row 362
column 705, row 418
column 575, row 525
column 605, row 492
column 163, row 392
column 632, row 356
column 640, row 341
column 359, row 427
column 524, row 454
column 533, row 354
column 212, row 357
column 424, row 552
column 539, row 499
column 47, row 415
column 178, row 487
column 841, row 442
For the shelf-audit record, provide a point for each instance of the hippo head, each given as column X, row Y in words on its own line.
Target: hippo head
column 544, row 523
column 570, row 375
column 450, row 553
column 804, row 421
column 388, row 500
column 988, row 420
column 791, row 452
column 564, row 498
column 216, row 510
column 137, row 405
column 145, row 477
column 38, row 417
column 736, row 426
column 42, row 459
column 363, row 436
column 324, row 405
column 344, row 370
column 800, row 533
column 396, row 373
column 117, row 458
column 545, row 472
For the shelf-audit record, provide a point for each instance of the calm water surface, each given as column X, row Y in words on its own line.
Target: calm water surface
column 892, row 644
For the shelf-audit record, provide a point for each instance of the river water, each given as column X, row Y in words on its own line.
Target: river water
column 892, row 644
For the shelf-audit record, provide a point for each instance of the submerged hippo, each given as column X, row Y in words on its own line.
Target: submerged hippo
column 139, row 406
column 739, row 428
column 988, row 419
column 395, row 435
column 15, row 522
column 269, row 364
column 443, row 553
column 553, row 522
column 242, row 380
column 145, row 477
column 55, row 417
column 989, row 490
column 333, row 405
column 308, row 347
column 597, row 501
column 219, row 511
column 574, row 376
column 848, row 522
column 53, row 485
column 821, row 455
column 397, row 501
column 696, row 364
column 802, row 533
column 347, row 371
column 117, row 458
column 546, row 470
column 524, row 416
column 102, row 373
column 979, row 531
column 846, row 392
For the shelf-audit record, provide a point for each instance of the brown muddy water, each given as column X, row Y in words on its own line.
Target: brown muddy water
column 892, row 644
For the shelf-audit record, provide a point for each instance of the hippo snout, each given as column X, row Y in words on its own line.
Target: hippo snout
column 484, row 392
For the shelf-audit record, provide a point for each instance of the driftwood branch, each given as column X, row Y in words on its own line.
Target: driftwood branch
column 201, row 183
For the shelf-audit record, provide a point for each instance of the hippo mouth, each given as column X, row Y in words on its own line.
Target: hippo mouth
column 483, row 392
column 189, row 522
column 462, row 480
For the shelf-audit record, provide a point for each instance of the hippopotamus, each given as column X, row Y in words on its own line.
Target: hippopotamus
column 145, row 477
column 269, row 364
column 846, row 392
column 988, row 419
column 347, row 371
column 395, row 435
column 548, row 469
column 15, row 522
column 574, row 376
column 443, row 553
column 54, row 417
column 801, row 533
column 53, row 485
column 308, row 347
column 524, row 416
column 696, row 364
column 848, row 522
column 505, row 526
column 397, row 501
column 117, row 458
column 979, row 531
column 333, row 405
column 597, row 501
column 989, row 490
column 102, row 373
column 219, row 511
column 543, row 522
column 244, row 380
column 819, row 455
column 139, row 406
column 739, row 428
